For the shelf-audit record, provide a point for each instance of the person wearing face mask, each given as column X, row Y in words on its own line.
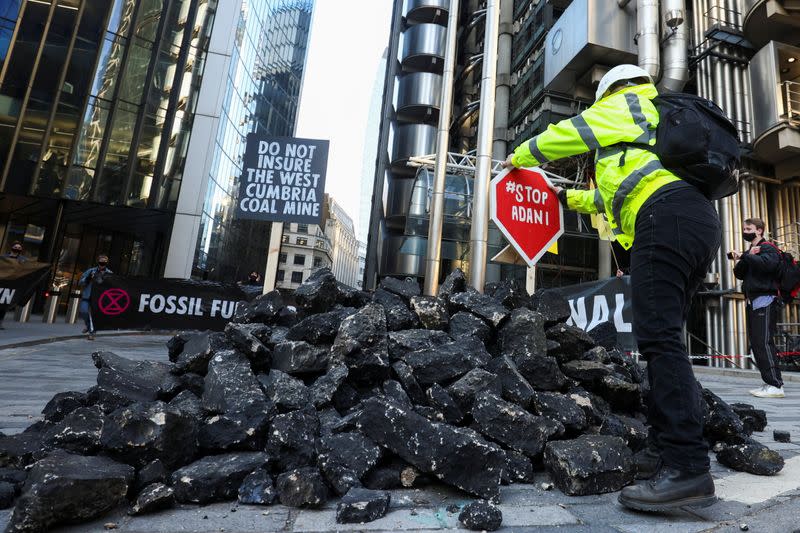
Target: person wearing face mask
column 758, row 268
column 254, row 279
column 89, row 278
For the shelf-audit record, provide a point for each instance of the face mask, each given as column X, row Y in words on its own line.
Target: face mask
column 102, row 265
column 748, row 236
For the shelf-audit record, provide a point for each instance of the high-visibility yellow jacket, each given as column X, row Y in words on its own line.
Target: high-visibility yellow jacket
column 626, row 175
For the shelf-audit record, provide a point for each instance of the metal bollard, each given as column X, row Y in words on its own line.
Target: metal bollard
column 23, row 313
column 51, row 307
column 72, row 307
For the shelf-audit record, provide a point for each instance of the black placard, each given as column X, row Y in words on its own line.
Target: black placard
column 19, row 280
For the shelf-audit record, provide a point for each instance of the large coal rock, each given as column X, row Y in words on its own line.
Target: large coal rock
column 405, row 375
column 455, row 282
column 293, row 439
column 464, row 325
column 631, row 430
column 751, row 456
column 721, row 421
column 263, row 309
column 515, row 388
column 257, row 489
column 509, row 293
column 324, row 389
column 155, row 497
column 176, row 343
column 139, row 381
column 216, row 477
column 108, row 400
column 300, row 357
column 63, row 404
column 471, row 385
column 78, row 432
column 561, row 408
column 523, row 334
column 286, row 392
column 14, row 477
column 7, row 495
column 573, row 342
column 481, row 516
column 513, row 426
column 440, row 400
column 447, row 362
column 152, row 472
column 67, row 488
column 604, row 334
column 302, row 487
column 318, row 294
column 141, row 433
column 519, row 468
column 552, row 305
column 246, row 338
column 198, row 351
column 188, row 403
column 587, row 372
column 352, row 297
column 362, row 345
column 541, row 371
column 405, row 288
column 321, row 328
column 480, row 305
column 431, row 311
column 362, row 505
column 394, row 392
column 590, row 464
column 403, row 342
column 753, row 419
column 20, row 450
column 344, row 458
column 398, row 315
column 621, row 394
column 449, row 453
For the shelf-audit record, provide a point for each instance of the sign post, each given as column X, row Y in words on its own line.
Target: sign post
column 527, row 212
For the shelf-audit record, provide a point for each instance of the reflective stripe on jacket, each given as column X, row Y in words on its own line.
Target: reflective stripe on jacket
column 626, row 175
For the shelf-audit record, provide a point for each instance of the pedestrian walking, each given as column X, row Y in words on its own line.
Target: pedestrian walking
column 758, row 268
column 88, row 279
column 673, row 233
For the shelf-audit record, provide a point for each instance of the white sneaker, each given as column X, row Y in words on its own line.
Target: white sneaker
column 769, row 391
column 758, row 391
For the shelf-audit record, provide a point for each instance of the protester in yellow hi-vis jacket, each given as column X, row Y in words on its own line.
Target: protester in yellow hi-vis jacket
column 673, row 232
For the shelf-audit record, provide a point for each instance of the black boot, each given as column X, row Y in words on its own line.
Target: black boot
column 670, row 489
column 648, row 461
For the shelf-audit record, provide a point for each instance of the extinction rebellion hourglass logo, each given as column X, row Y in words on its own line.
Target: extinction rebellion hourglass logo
column 113, row 302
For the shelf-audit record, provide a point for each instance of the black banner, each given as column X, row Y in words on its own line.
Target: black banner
column 130, row 303
column 19, row 280
column 601, row 301
column 283, row 179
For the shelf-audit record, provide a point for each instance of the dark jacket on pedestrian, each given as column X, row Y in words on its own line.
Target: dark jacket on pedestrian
column 759, row 272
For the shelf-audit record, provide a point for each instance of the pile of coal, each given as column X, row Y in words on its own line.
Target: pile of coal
column 349, row 395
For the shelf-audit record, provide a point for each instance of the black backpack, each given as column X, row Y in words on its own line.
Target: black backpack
column 697, row 142
column 788, row 275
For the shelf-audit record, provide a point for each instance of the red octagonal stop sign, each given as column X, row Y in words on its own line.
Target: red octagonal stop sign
column 526, row 211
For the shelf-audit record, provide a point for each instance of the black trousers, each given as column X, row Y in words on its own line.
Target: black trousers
column 677, row 236
column 762, row 324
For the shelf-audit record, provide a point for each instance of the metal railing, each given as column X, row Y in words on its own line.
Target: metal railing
column 791, row 95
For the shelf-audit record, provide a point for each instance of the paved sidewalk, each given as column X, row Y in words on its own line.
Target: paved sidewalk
column 765, row 504
column 34, row 331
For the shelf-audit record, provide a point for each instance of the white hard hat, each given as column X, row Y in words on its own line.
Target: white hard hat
column 620, row 73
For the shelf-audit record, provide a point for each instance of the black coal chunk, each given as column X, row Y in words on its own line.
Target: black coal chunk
column 293, row 439
column 403, row 342
column 198, row 352
column 552, row 305
column 455, row 282
column 431, row 311
column 752, row 418
column 243, row 337
column 257, row 489
column 751, row 456
column 302, row 487
column 7, row 494
column 318, row 293
column 463, row 325
column 300, row 357
column 152, row 472
column 152, row 498
column 286, row 392
column 344, row 458
column 781, row 436
column 67, row 488
column 541, row 371
column 321, row 328
column 604, row 334
column 587, row 372
column 78, row 432
column 216, row 477
column 621, row 394
column 481, row 516
column 20, row 450
column 352, row 297
column 141, row 433
column 63, row 404
column 440, row 400
column 14, row 476
column 406, row 288
column 721, row 421
column 510, row 294
column 631, row 430
column 519, row 468
column 590, row 464
column 324, row 389
column 362, row 505
column 448, row 361
column 194, row 383
column 264, row 309
column 515, row 388
column 561, row 408
column 471, row 384
column 449, row 453
column 176, row 343
column 188, row 403
column 108, row 400
column 513, row 426
column 139, row 381
column 480, row 305
column 398, row 315
column 405, row 375
column 522, row 334
column 394, row 391
column 573, row 341
column 363, row 346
